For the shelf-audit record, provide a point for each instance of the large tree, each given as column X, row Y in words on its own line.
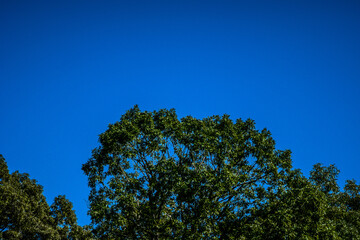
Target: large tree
column 157, row 177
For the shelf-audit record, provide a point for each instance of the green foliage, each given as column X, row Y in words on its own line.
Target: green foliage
column 325, row 178
column 65, row 220
column 157, row 177
column 25, row 214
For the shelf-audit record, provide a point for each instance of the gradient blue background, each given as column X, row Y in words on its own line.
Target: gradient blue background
column 69, row 68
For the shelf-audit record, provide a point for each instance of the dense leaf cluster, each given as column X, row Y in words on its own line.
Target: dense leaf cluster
column 155, row 176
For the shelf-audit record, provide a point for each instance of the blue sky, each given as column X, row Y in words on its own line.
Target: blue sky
column 69, row 68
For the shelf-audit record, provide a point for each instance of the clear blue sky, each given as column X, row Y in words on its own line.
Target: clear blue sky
column 69, row 68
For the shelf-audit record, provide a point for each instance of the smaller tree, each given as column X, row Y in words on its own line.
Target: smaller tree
column 351, row 196
column 66, row 220
column 313, row 208
column 25, row 214
column 299, row 212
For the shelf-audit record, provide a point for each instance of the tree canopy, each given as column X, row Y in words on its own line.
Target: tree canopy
column 155, row 176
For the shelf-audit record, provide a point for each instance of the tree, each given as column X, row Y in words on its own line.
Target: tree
column 299, row 212
column 25, row 214
column 23, row 209
column 66, row 221
column 157, row 177
column 313, row 208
